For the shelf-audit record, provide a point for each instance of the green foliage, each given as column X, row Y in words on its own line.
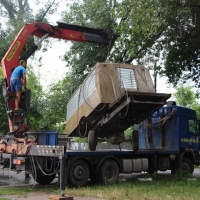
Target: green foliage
column 3, row 116
column 37, row 96
column 186, row 97
column 196, row 107
column 78, row 139
column 182, row 61
column 16, row 14
column 53, row 105
column 128, row 132
column 83, row 56
column 150, row 32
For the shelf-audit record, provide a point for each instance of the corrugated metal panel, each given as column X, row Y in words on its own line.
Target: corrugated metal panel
column 88, row 86
column 127, row 78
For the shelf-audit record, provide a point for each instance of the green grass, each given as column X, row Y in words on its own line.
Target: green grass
column 13, row 191
column 163, row 187
column 4, row 199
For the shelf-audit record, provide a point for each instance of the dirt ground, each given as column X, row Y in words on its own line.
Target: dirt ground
column 40, row 196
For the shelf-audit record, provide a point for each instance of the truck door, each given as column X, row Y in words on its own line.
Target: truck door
column 193, row 138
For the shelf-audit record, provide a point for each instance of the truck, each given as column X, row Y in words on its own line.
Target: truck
column 167, row 136
column 167, row 140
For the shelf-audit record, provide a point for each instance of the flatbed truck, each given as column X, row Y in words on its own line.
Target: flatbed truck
column 175, row 148
column 168, row 140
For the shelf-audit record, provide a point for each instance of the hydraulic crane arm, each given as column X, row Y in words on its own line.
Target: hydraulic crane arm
column 11, row 59
column 61, row 31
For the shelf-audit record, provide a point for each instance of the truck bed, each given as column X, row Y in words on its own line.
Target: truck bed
column 116, row 152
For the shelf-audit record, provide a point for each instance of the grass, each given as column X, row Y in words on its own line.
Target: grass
column 165, row 187
column 162, row 187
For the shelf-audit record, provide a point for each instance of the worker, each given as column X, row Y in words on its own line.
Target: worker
column 18, row 78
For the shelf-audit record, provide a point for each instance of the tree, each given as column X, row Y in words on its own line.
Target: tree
column 186, row 97
column 182, row 61
column 54, row 105
column 37, row 98
column 15, row 14
column 3, row 116
column 145, row 31
column 82, row 56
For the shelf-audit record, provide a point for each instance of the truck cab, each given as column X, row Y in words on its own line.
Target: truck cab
column 174, row 129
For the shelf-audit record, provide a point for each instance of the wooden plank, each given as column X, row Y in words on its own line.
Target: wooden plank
column 59, row 197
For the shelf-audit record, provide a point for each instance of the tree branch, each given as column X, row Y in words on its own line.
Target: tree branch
column 47, row 10
column 20, row 4
column 9, row 7
column 154, row 37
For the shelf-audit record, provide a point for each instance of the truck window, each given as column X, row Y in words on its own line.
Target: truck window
column 192, row 125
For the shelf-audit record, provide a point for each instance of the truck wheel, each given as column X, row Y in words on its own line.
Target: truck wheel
column 42, row 178
column 187, row 166
column 79, row 173
column 92, row 140
column 109, row 172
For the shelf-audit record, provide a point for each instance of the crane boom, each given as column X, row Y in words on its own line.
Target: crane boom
column 13, row 55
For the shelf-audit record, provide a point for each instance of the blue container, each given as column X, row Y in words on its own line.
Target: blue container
column 49, row 137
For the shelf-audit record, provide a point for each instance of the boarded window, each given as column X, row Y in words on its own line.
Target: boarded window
column 127, row 78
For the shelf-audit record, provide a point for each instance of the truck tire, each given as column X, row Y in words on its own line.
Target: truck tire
column 187, row 166
column 42, row 178
column 79, row 173
column 109, row 172
column 92, row 140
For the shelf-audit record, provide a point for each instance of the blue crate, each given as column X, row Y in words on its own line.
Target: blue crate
column 47, row 137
